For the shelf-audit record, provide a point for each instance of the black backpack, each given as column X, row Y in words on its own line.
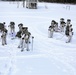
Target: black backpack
column 1, row 26
column 67, row 31
column 18, row 34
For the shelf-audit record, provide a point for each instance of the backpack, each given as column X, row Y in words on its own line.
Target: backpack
column 18, row 34
column 67, row 31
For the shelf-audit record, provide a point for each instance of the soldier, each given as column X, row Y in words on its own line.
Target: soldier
column 62, row 24
column 12, row 30
column 51, row 29
column 62, row 27
column 70, row 34
column 12, row 27
column 67, row 27
column 21, row 36
column 27, row 40
column 3, row 37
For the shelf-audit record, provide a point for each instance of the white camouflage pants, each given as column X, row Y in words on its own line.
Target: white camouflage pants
column 50, row 34
column 61, row 29
column 3, row 40
column 23, row 45
column 69, row 38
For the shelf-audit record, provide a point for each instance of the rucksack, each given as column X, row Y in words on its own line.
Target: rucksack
column 18, row 34
column 67, row 31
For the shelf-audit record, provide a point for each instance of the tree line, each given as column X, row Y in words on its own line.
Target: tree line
column 60, row 1
column 53, row 1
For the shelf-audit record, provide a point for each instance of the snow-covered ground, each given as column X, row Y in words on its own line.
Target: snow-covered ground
column 50, row 56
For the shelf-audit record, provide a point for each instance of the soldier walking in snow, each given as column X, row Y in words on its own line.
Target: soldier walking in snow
column 27, row 40
column 3, row 37
column 20, row 35
column 51, row 29
column 62, row 25
column 12, row 30
column 69, row 33
column 12, row 27
column 24, row 39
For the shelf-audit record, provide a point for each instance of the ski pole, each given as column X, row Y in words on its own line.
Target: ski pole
column 32, row 42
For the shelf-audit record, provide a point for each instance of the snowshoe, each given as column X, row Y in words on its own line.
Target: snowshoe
column 27, row 50
column 19, row 47
column 22, row 50
column 67, row 41
column 5, row 43
column 2, row 44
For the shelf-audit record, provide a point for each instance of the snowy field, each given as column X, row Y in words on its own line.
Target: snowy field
column 50, row 56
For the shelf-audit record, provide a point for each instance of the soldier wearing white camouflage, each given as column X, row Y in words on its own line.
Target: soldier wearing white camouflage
column 70, row 34
column 3, row 37
column 27, row 40
column 62, row 24
column 51, row 30
column 20, row 35
column 24, row 39
column 12, row 27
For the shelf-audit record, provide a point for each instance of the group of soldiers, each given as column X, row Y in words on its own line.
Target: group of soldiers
column 65, row 27
column 23, row 34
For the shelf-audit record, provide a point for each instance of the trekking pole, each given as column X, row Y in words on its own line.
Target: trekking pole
column 32, row 42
